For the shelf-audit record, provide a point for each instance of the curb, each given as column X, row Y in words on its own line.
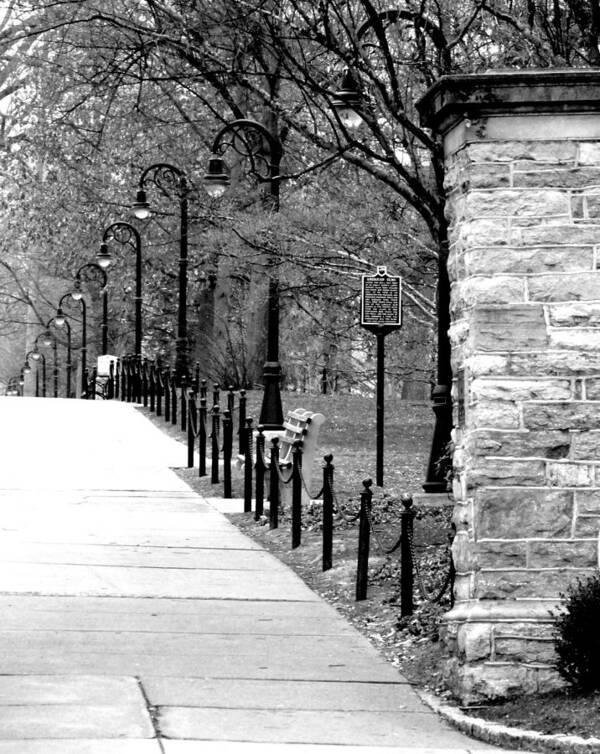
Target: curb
column 513, row 738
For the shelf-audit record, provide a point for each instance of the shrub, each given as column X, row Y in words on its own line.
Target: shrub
column 576, row 640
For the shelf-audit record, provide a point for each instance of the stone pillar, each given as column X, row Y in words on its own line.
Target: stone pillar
column 522, row 158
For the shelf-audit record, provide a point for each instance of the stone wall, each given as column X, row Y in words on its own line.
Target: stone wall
column 524, row 211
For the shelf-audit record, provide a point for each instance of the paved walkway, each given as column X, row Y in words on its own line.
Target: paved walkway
column 136, row 620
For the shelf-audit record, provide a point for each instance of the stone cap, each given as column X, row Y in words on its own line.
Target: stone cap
column 452, row 98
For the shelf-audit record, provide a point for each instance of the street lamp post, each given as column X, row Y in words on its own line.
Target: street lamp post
column 348, row 103
column 263, row 151
column 127, row 235
column 77, row 294
column 59, row 321
column 36, row 355
column 49, row 340
column 171, row 180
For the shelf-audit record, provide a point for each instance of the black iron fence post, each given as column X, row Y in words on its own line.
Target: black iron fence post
column 93, row 383
column 203, row 389
column 152, row 387
column 274, row 485
column 130, row 378
column 248, row 466
column 296, row 494
column 173, row 399
column 145, row 383
column 160, row 389
column 227, row 452
column 364, row 536
column 406, row 556
column 167, row 388
column 191, row 429
column 117, row 379
column 184, row 398
column 110, row 384
column 242, row 434
column 197, row 378
column 214, row 436
column 202, row 437
column 123, row 378
column 327, row 512
column 259, row 474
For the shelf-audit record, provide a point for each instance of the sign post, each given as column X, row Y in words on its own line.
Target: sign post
column 381, row 313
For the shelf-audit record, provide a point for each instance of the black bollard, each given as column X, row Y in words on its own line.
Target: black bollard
column 145, row 383
column 191, row 429
column 274, row 485
column 202, row 437
column 117, row 379
column 248, row 466
column 296, row 494
column 242, row 434
column 364, row 536
column 259, row 475
column 184, row 398
column 406, row 557
column 110, row 385
column 227, row 452
column 173, row 399
column 152, row 387
column 167, row 396
column 327, row 559
column 160, row 390
column 214, row 437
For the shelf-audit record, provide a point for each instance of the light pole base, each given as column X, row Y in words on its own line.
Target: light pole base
column 439, row 465
column 271, row 412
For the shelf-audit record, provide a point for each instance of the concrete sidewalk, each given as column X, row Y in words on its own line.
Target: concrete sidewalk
column 137, row 620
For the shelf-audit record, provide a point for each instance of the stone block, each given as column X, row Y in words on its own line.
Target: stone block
column 574, row 415
column 517, row 203
column 474, row 641
column 480, row 364
column 494, row 414
column 508, row 328
column 587, row 526
column 560, row 234
column 485, row 231
column 486, row 681
column 517, row 513
column 520, row 649
column 579, row 339
column 576, row 314
column 588, row 502
column 589, row 153
column 516, row 585
column 463, row 587
column 501, row 554
column 568, row 286
column 486, row 175
column 520, row 389
column 585, row 446
column 565, row 474
column 548, row 363
column 462, row 552
column 536, row 151
column 570, row 554
column 528, row 260
column 592, row 389
column 497, row 472
column 519, row 444
column 487, row 291
column 546, row 176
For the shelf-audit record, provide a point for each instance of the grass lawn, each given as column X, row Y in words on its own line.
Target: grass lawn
column 412, row 643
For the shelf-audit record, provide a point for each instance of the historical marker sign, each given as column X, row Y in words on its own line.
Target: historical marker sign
column 381, row 301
